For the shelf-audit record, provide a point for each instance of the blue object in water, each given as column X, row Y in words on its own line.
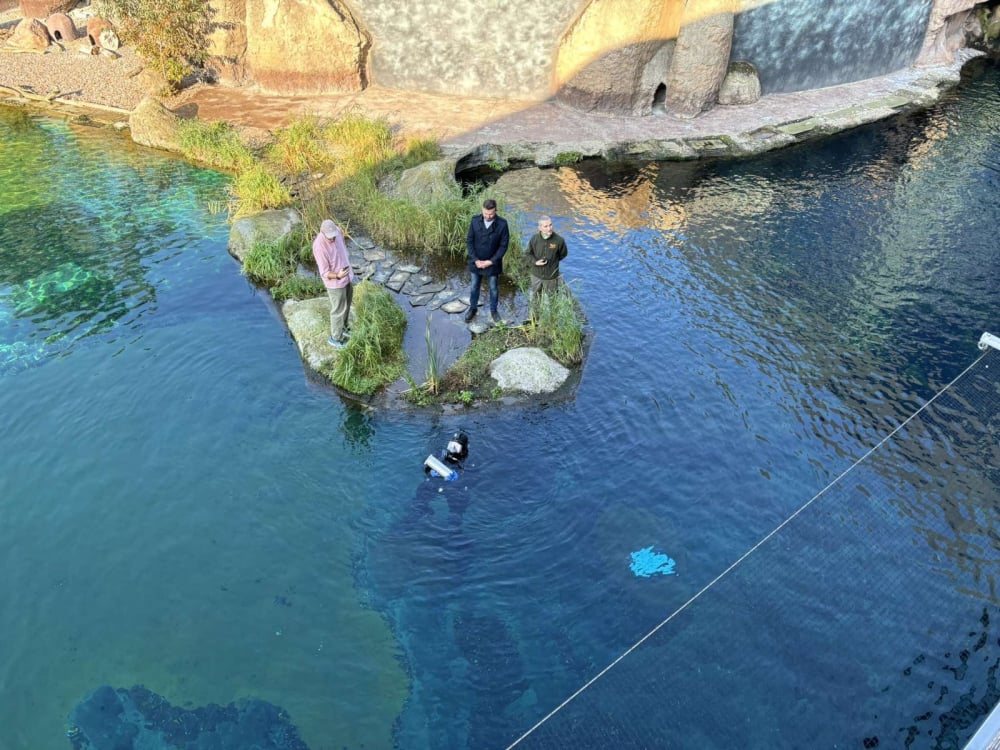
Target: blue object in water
column 646, row 562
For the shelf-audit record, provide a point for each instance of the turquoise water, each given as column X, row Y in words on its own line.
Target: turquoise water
column 185, row 509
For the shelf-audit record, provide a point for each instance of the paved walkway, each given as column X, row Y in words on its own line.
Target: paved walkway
column 538, row 131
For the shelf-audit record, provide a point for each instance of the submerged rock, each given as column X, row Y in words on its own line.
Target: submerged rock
column 111, row 718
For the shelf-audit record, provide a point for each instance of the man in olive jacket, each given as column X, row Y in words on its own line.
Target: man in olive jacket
column 486, row 242
column 545, row 250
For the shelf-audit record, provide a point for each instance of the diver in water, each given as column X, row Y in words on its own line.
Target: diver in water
column 449, row 462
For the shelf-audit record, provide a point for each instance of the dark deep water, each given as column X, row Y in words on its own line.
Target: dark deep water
column 183, row 508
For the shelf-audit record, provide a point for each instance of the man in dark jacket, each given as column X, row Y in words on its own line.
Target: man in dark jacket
column 486, row 242
column 545, row 250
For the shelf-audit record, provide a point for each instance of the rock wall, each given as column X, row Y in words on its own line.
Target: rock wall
column 616, row 56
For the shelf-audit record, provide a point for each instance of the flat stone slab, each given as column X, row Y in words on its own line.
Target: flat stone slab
column 455, row 306
column 308, row 321
column 396, row 281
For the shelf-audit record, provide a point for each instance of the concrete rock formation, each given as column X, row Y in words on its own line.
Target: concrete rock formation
column 44, row 8
column 29, row 34
column 617, row 54
column 629, row 57
column 304, row 47
column 699, row 64
column 945, row 30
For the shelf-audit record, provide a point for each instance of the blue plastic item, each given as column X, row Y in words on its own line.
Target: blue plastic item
column 647, row 562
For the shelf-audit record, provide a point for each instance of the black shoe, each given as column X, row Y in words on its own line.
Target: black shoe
column 495, row 317
column 470, row 315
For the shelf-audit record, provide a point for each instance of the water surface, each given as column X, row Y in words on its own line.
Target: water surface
column 184, row 508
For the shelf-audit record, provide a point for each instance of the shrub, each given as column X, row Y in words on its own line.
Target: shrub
column 170, row 35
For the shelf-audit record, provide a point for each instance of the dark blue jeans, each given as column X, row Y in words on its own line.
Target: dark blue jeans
column 477, row 281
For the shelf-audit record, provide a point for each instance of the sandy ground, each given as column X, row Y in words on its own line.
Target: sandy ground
column 106, row 80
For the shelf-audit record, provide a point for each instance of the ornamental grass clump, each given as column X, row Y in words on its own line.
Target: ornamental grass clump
column 557, row 327
column 216, row 144
column 300, row 147
column 271, row 262
column 373, row 357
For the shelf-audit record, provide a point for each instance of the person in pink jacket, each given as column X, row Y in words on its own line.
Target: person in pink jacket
column 335, row 269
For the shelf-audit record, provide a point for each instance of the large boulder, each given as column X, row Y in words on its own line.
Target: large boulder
column 606, row 65
column 528, row 370
column 153, row 125
column 305, row 47
column 741, row 84
column 430, row 181
column 29, row 34
column 100, row 33
column 308, row 321
column 945, row 31
column 272, row 225
column 699, row 64
column 44, row 8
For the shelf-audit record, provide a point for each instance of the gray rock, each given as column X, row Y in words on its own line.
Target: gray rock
column 151, row 124
column 309, row 323
column 528, row 370
column 409, row 268
column 267, row 226
column 699, row 63
column 364, row 243
column 396, row 281
column 373, row 254
column 419, row 300
column 431, row 287
column 430, row 181
column 741, row 84
column 455, row 306
column 479, row 325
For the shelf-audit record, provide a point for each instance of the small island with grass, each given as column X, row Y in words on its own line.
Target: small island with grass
column 405, row 217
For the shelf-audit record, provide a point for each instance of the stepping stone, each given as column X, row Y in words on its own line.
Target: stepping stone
column 396, row 281
column 409, row 268
column 380, row 276
column 363, row 242
column 478, row 325
column 419, row 300
column 374, row 254
column 432, row 287
column 455, row 306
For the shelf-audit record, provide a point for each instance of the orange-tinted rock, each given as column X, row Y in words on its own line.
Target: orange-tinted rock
column 95, row 26
column 45, row 8
column 61, row 27
column 30, row 33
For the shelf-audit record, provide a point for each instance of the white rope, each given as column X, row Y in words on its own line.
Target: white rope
column 741, row 558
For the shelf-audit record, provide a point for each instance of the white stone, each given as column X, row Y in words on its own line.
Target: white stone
column 528, row 370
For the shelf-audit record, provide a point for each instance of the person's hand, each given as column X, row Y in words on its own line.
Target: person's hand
column 541, row 262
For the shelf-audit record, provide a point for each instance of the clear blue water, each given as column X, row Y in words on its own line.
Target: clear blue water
column 184, row 508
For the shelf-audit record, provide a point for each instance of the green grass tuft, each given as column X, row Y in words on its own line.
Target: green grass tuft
column 298, row 287
column 373, row 357
column 216, row 144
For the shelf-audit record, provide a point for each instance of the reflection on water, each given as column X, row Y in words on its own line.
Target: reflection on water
column 185, row 509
